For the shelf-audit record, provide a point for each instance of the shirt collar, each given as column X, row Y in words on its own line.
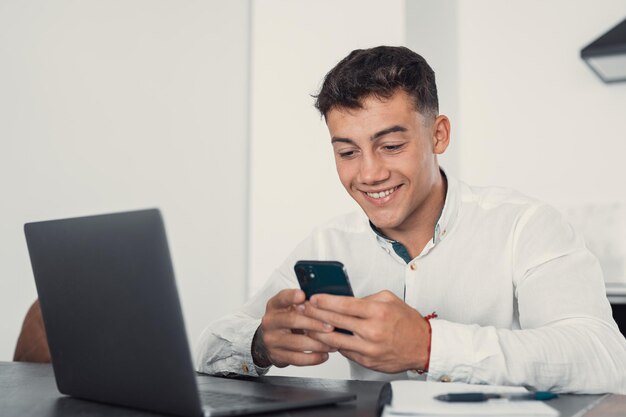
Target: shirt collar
column 450, row 210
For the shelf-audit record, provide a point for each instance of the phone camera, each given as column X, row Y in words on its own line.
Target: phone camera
column 312, row 275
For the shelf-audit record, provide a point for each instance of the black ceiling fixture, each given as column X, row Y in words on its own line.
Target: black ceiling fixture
column 606, row 56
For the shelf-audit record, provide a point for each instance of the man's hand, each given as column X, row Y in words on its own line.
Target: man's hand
column 389, row 336
column 282, row 338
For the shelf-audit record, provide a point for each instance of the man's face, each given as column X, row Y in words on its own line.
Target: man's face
column 385, row 155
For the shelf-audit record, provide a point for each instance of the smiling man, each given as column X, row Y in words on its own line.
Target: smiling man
column 451, row 282
column 386, row 159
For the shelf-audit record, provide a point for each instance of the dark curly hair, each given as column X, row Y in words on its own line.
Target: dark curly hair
column 379, row 72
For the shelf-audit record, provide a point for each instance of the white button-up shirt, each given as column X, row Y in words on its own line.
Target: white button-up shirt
column 519, row 298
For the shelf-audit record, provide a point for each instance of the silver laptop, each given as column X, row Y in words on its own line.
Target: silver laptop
column 115, row 326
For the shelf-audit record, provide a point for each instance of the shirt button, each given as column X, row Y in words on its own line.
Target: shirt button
column 244, row 367
column 445, row 378
column 413, row 266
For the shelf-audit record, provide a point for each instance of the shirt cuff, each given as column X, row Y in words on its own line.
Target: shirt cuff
column 244, row 361
column 233, row 354
column 457, row 350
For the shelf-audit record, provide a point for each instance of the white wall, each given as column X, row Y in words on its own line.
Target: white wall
column 432, row 31
column 534, row 116
column 125, row 104
column 294, row 185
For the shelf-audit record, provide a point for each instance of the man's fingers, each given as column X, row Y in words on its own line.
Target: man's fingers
column 342, row 321
column 286, row 298
column 294, row 320
column 299, row 358
column 353, row 356
column 351, row 306
column 299, row 343
column 338, row 340
column 384, row 296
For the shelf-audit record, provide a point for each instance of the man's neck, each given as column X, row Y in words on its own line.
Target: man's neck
column 415, row 236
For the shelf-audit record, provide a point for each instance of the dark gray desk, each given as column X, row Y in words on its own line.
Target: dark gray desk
column 29, row 390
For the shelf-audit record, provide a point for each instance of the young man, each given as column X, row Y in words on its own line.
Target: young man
column 518, row 298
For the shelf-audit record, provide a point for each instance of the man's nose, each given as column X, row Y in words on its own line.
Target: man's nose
column 373, row 170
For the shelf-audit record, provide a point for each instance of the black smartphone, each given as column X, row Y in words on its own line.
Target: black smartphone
column 327, row 277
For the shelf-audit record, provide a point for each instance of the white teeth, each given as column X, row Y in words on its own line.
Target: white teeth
column 382, row 193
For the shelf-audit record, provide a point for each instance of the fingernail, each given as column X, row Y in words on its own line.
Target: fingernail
column 313, row 301
column 300, row 307
column 328, row 326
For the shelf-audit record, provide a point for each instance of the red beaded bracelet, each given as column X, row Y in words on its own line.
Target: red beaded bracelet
column 432, row 315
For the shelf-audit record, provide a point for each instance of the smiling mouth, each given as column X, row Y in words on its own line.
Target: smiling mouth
column 382, row 194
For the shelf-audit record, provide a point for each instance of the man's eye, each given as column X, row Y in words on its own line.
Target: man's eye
column 392, row 147
column 346, row 154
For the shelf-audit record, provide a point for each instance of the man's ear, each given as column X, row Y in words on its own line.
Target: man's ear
column 441, row 134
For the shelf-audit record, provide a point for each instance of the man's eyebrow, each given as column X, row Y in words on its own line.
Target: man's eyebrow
column 335, row 139
column 391, row 129
column 379, row 134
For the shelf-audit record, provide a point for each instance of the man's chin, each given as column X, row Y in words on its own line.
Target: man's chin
column 381, row 218
column 382, row 223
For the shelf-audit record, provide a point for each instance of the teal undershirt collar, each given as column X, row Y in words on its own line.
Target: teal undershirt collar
column 398, row 247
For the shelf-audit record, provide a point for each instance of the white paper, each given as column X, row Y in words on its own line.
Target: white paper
column 418, row 398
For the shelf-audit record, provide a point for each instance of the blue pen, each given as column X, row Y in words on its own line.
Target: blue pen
column 483, row 396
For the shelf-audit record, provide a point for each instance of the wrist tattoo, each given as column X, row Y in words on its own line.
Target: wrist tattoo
column 260, row 355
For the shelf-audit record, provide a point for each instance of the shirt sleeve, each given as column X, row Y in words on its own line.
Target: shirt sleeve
column 225, row 345
column 567, row 341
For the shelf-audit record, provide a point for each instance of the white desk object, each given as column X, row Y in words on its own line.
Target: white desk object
column 417, row 398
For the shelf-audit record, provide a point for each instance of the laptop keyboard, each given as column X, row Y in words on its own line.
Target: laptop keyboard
column 216, row 399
